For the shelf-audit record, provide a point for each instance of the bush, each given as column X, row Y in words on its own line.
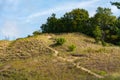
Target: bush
column 103, row 73
column 72, row 47
column 97, row 34
column 29, row 36
column 60, row 41
column 104, row 43
column 36, row 33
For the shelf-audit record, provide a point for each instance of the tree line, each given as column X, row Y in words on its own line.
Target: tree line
column 103, row 26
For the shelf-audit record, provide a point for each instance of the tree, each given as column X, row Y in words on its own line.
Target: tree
column 75, row 20
column 97, row 34
column 117, row 4
column 51, row 24
column 105, row 20
column 103, row 25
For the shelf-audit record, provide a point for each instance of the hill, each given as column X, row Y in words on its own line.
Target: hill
column 39, row 58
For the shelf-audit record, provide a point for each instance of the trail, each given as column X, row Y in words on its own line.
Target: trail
column 75, row 64
column 88, row 71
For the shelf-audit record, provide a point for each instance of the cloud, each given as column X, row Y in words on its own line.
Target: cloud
column 115, row 10
column 64, row 7
column 10, row 29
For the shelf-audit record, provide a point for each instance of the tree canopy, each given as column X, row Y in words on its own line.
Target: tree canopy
column 102, row 26
column 117, row 4
column 71, row 22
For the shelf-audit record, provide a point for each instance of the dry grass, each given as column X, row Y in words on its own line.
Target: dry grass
column 95, row 57
column 25, row 48
column 28, row 55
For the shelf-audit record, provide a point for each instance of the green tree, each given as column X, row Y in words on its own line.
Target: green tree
column 97, row 34
column 117, row 4
column 103, row 25
column 51, row 25
column 105, row 20
column 75, row 20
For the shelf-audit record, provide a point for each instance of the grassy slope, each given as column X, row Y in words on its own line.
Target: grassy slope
column 28, row 59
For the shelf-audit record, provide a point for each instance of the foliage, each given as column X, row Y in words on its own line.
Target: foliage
column 60, row 41
column 36, row 33
column 29, row 36
column 97, row 33
column 102, row 26
column 117, row 4
column 73, row 21
column 104, row 43
column 72, row 47
column 50, row 26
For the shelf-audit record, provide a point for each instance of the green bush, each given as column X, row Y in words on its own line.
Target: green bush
column 36, row 33
column 60, row 41
column 29, row 36
column 72, row 47
column 104, row 43
column 97, row 34
column 103, row 73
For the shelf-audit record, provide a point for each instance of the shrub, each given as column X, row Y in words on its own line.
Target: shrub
column 72, row 47
column 97, row 34
column 103, row 73
column 36, row 33
column 29, row 36
column 104, row 43
column 60, row 41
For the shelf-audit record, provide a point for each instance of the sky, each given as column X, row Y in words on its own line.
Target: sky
column 19, row 18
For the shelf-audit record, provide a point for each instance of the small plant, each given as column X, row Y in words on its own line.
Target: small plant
column 60, row 41
column 104, row 43
column 103, row 73
column 36, row 33
column 29, row 36
column 72, row 47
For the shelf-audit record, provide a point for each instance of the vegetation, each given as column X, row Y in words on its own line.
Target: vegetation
column 117, row 4
column 39, row 63
column 35, row 57
column 73, row 21
column 72, row 47
column 104, row 43
column 36, row 33
column 60, row 41
column 103, row 26
column 98, row 34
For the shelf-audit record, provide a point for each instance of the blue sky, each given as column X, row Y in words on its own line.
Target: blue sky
column 19, row 18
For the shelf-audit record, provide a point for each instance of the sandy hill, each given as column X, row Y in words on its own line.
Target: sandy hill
column 38, row 58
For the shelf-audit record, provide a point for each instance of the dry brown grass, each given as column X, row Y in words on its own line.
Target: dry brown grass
column 25, row 48
column 96, row 57
column 29, row 52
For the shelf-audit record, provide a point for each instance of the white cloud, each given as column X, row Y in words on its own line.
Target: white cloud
column 115, row 10
column 9, row 29
column 64, row 7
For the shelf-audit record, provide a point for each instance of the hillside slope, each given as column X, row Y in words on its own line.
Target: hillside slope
column 34, row 58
